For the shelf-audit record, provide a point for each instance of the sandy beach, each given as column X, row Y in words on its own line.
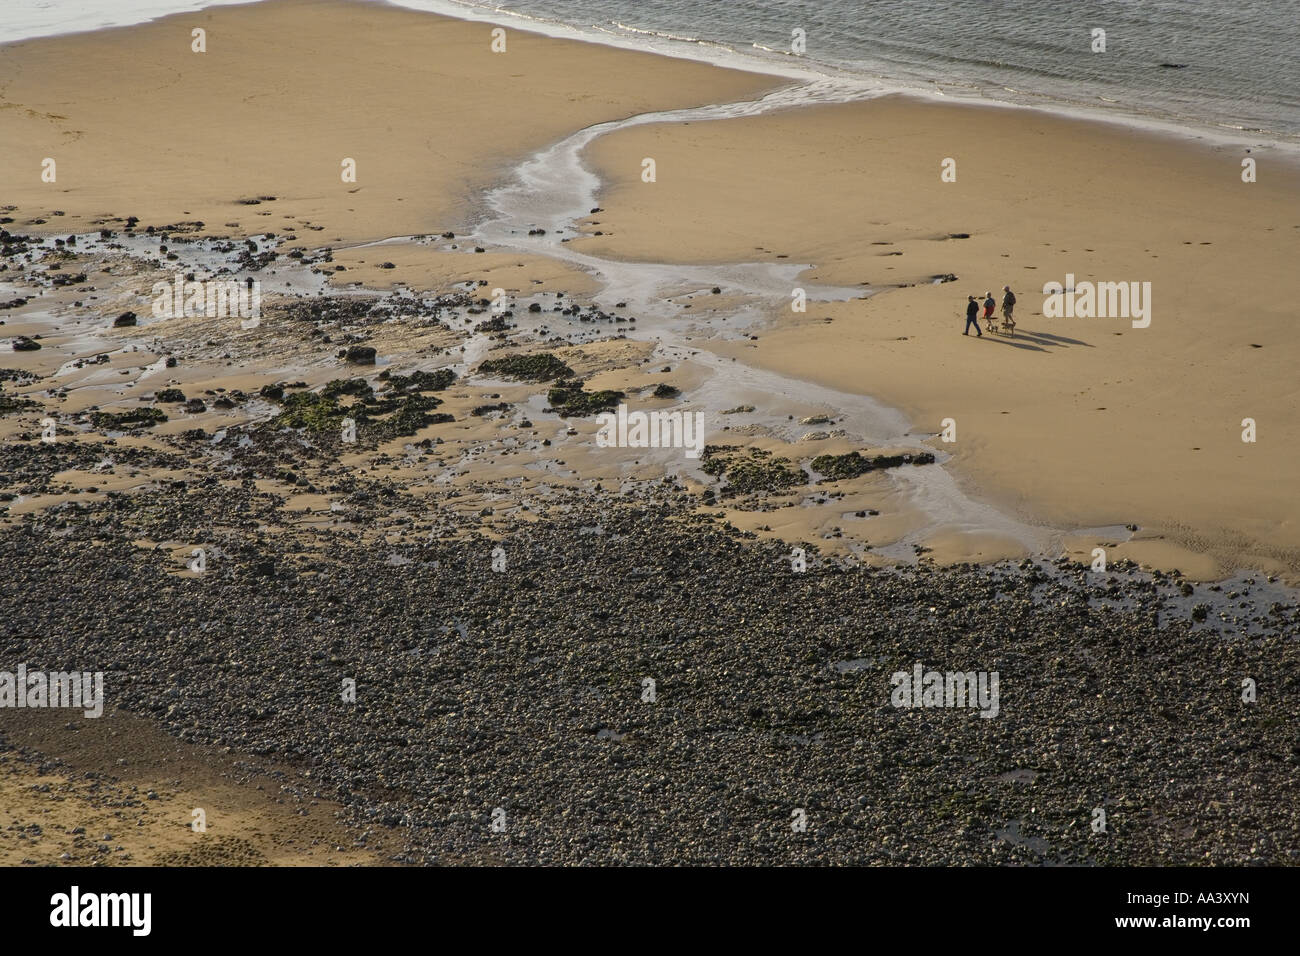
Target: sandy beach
column 284, row 93
column 1079, row 424
column 395, row 473
column 1075, row 422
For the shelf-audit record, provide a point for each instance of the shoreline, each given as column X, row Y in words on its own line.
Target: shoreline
column 729, row 57
column 868, row 84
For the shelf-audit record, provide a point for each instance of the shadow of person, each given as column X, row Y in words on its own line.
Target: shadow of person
column 1053, row 338
column 1015, row 343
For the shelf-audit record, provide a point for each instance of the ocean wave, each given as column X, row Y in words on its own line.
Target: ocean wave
column 656, row 33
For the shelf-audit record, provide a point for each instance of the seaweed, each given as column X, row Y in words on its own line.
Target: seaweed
column 15, row 403
column 751, row 470
column 840, row 467
column 539, row 367
column 420, row 381
column 314, row 411
column 378, row 418
column 136, row 418
column 568, row 398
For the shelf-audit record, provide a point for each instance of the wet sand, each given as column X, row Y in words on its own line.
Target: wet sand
column 1075, row 425
column 123, row 793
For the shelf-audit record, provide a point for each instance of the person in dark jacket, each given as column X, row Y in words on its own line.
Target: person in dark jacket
column 972, row 316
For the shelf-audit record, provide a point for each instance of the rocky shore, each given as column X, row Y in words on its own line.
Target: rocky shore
column 487, row 662
column 524, row 689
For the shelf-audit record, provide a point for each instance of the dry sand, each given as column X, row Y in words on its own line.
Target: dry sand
column 1074, row 422
column 139, row 125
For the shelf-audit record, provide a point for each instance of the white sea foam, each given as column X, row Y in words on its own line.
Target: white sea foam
column 28, row 19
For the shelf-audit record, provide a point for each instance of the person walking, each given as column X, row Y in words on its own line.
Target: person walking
column 989, row 306
column 1008, row 306
column 972, row 316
